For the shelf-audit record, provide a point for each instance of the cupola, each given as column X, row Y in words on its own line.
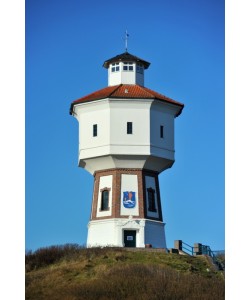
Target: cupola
column 125, row 68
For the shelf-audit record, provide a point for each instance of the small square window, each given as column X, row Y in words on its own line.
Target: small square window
column 129, row 127
column 128, row 66
column 95, row 130
column 162, row 131
column 115, row 67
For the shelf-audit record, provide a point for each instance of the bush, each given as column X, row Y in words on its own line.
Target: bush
column 50, row 255
column 113, row 273
column 149, row 282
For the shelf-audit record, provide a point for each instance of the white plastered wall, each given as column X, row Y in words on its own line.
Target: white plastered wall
column 125, row 76
column 113, row 147
column 137, row 112
column 110, row 232
column 111, row 117
column 89, row 114
column 155, row 234
column 102, row 233
column 161, row 115
column 114, row 78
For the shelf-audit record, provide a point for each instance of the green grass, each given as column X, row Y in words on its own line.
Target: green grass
column 70, row 272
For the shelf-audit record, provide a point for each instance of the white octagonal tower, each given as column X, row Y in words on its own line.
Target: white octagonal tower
column 126, row 139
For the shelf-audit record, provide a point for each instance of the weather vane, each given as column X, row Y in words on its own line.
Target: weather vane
column 126, row 41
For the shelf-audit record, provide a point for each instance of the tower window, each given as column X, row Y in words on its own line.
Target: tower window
column 151, row 200
column 115, row 67
column 128, row 66
column 162, row 131
column 105, row 199
column 95, row 130
column 129, row 127
column 139, row 68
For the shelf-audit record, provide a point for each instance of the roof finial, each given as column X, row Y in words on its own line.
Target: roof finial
column 126, row 40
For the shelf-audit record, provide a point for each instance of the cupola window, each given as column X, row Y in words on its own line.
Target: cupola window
column 139, row 68
column 115, row 67
column 128, row 66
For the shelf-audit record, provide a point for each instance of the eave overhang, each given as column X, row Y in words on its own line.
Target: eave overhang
column 126, row 91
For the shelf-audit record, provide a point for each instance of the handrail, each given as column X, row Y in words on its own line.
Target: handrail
column 192, row 248
column 200, row 249
column 207, row 251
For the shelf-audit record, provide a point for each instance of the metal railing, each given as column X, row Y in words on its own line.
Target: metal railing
column 188, row 248
column 199, row 249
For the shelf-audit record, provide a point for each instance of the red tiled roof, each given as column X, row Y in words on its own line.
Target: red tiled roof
column 126, row 91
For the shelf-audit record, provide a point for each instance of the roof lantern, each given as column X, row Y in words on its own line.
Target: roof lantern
column 125, row 68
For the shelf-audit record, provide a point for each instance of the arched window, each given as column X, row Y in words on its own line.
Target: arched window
column 104, row 199
column 151, row 200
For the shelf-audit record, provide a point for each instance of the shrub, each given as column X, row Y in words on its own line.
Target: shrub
column 50, row 255
column 113, row 273
column 150, row 282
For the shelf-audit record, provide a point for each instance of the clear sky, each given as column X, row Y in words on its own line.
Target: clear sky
column 67, row 42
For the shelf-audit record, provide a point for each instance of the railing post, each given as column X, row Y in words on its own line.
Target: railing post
column 197, row 249
column 204, row 249
column 178, row 244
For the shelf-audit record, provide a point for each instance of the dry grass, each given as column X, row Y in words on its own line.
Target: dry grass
column 76, row 273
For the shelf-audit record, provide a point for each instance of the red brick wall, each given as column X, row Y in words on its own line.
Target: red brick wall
column 116, row 192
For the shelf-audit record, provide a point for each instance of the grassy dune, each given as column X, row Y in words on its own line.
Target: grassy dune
column 71, row 272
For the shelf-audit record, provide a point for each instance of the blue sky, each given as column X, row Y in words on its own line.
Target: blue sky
column 66, row 45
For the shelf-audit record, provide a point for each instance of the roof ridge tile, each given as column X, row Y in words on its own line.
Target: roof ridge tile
column 116, row 89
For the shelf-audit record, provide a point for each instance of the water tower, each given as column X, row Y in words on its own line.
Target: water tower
column 126, row 139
